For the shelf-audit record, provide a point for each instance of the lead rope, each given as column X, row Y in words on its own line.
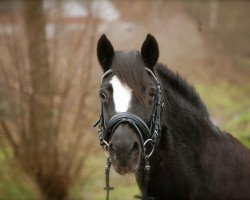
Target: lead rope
column 107, row 170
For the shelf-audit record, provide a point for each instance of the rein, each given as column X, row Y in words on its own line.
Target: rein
column 149, row 136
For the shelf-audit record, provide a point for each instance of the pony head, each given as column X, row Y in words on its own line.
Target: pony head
column 129, row 89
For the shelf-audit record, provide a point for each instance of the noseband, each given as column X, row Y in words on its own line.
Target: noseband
column 149, row 135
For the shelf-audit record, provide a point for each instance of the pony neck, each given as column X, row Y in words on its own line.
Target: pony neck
column 182, row 141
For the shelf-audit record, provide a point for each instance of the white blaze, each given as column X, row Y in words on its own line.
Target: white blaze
column 122, row 95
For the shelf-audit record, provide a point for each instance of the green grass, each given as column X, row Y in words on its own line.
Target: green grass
column 14, row 184
column 229, row 106
column 241, row 124
column 93, row 180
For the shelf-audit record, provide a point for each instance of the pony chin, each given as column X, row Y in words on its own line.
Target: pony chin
column 127, row 170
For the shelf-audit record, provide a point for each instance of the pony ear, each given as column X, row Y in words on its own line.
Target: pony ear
column 105, row 52
column 150, row 51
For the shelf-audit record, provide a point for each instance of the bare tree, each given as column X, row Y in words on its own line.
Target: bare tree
column 44, row 114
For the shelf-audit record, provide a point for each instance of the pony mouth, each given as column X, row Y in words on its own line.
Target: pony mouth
column 126, row 169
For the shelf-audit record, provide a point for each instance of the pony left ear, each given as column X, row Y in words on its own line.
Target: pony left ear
column 150, row 51
column 105, row 52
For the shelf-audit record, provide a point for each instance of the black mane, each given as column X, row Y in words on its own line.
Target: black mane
column 181, row 86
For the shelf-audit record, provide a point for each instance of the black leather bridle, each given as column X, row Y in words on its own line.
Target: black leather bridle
column 149, row 135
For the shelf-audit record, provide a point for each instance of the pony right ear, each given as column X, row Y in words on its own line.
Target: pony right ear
column 150, row 51
column 105, row 52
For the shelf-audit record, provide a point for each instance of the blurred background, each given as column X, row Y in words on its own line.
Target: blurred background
column 49, row 79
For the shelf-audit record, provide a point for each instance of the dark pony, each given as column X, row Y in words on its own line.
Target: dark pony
column 191, row 157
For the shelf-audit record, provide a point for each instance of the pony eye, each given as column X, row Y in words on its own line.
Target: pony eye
column 103, row 95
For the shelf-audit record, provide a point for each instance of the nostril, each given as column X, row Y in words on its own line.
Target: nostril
column 135, row 147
